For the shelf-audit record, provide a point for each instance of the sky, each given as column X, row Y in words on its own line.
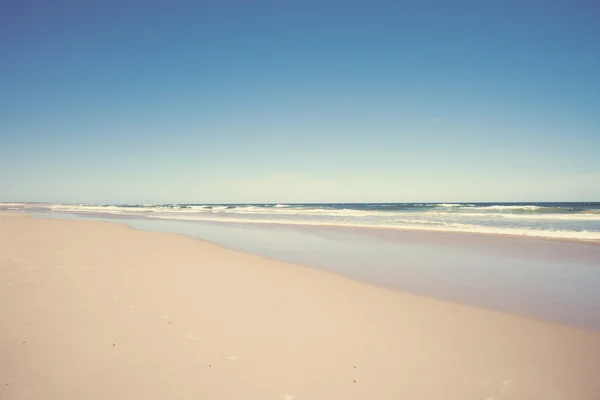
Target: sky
column 299, row 101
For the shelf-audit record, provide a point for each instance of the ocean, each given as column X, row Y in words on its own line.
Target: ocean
column 580, row 221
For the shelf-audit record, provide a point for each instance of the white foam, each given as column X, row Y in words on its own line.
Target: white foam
column 491, row 216
column 416, row 224
column 584, row 225
column 500, row 208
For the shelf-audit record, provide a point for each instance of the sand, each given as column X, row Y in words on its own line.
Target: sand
column 93, row 310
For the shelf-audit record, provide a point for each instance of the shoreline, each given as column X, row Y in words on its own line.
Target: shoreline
column 552, row 281
column 307, row 224
column 551, row 229
column 322, row 270
column 367, row 228
column 98, row 310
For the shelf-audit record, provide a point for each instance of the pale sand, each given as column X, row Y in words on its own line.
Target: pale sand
column 92, row 310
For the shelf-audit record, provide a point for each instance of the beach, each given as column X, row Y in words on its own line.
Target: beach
column 96, row 310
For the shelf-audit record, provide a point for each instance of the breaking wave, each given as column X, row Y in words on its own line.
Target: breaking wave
column 564, row 220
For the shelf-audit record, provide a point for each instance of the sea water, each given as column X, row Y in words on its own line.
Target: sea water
column 579, row 221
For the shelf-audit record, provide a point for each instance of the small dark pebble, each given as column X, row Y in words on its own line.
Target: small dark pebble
column 354, row 381
column 209, row 365
column 355, row 366
column 114, row 344
column 24, row 342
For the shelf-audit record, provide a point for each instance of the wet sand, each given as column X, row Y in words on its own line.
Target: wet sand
column 550, row 280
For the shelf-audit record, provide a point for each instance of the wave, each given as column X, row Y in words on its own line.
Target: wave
column 502, row 208
column 421, row 225
column 382, row 211
column 300, row 211
column 529, row 219
column 510, row 209
column 518, row 216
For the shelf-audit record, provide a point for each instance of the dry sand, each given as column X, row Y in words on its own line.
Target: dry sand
column 92, row 310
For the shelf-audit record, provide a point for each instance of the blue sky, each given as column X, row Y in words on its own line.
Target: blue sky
column 289, row 101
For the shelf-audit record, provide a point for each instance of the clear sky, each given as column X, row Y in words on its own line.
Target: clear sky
column 299, row 101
